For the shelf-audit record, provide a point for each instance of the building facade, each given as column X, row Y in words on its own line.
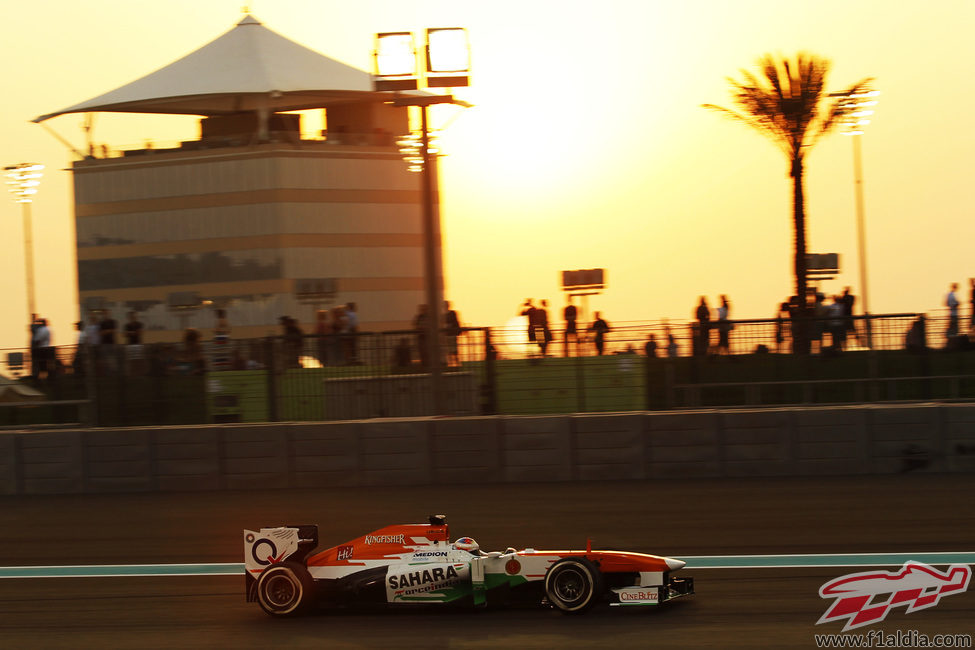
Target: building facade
column 260, row 230
column 250, row 217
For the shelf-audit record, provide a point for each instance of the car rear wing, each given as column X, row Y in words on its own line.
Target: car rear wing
column 269, row 546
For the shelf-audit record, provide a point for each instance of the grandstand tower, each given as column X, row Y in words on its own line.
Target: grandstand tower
column 251, row 217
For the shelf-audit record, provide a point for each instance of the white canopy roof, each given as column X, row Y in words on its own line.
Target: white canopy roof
column 248, row 68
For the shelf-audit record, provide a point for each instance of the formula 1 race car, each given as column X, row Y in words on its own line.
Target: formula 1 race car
column 417, row 563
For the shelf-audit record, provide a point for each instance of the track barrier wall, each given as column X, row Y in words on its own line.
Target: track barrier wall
column 849, row 440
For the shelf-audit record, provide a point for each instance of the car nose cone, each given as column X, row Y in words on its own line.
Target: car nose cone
column 673, row 564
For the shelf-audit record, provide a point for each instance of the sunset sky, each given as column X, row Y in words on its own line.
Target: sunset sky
column 587, row 147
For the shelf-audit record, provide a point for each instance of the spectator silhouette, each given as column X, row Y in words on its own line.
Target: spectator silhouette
column 599, row 327
column 951, row 301
column 650, row 347
column 294, row 339
column 340, row 324
column 350, row 334
column 836, row 324
column 190, row 359
column 848, row 300
column 222, row 354
column 531, row 313
column 703, row 335
column 452, row 330
column 781, row 316
column 917, row 336
column 543, row 333
column 133, row 330
column 402, row 355
column 971, row 302
column 724, row 326
column 819, row 320
column 671, row 346
column 42, row 354
column 570, row 314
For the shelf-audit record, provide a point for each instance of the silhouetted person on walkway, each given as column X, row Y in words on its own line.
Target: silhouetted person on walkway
column 528, row 311
column 672, row 351
column 819, row 314
column 917, row 337
column 106, row 342
column 106, row 329
column 971, row 302
column 780, row 317
column 350, row 335
column 599, row 327
column 799, row 325
column 543, row 333
column 402, row 355
column 294, row 339
column 340, row 328
column 190, row 359
column 836, row 324
column 951, row 301
column 42, row 354
column 703, row 337
column 724, row 326
column 570, row 314
column 650, row 347
column 848, row 300
column 452, row 330
column 133, row 330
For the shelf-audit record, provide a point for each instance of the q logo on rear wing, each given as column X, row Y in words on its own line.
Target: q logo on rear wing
column 268, row 546
column 866, row 598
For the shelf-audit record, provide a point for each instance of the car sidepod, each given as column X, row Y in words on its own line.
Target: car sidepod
column 429, row 582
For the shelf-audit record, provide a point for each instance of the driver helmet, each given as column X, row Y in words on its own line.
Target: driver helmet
column 466, row 544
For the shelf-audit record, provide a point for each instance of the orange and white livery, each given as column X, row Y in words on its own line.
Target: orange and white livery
column 418, row 564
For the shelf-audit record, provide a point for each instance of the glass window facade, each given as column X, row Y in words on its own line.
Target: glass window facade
column 191, row 268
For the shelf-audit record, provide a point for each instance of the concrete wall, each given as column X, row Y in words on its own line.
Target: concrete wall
column 581, row 447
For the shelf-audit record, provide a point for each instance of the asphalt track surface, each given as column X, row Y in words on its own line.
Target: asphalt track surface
column 734, row 608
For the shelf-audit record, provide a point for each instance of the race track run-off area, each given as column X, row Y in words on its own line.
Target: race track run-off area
column 778, row 541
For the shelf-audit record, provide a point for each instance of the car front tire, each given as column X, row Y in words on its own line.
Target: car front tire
column 573, row 585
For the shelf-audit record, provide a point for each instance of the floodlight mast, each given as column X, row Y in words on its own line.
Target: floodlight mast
column 24, row 180
column 859, row 108
column 396, row 70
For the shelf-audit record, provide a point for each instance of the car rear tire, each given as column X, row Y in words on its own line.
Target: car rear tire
column 285, row 589
column 573, row 585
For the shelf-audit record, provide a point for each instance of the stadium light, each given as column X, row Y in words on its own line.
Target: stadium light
column 24, row 180
column 447, row 57
column 859, row 108
column 395, row 62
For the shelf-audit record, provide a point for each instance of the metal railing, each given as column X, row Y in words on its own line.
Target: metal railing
column 305, row 377
column 484, row 371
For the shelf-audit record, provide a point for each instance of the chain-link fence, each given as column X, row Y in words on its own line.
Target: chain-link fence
column 299, row 378
column 649, row 366
column 645, row 366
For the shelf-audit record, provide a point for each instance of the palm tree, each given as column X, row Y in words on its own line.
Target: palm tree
column 789, row 105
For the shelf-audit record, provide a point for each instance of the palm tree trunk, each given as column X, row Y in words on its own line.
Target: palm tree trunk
column 801, row 343
column 799, row 223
